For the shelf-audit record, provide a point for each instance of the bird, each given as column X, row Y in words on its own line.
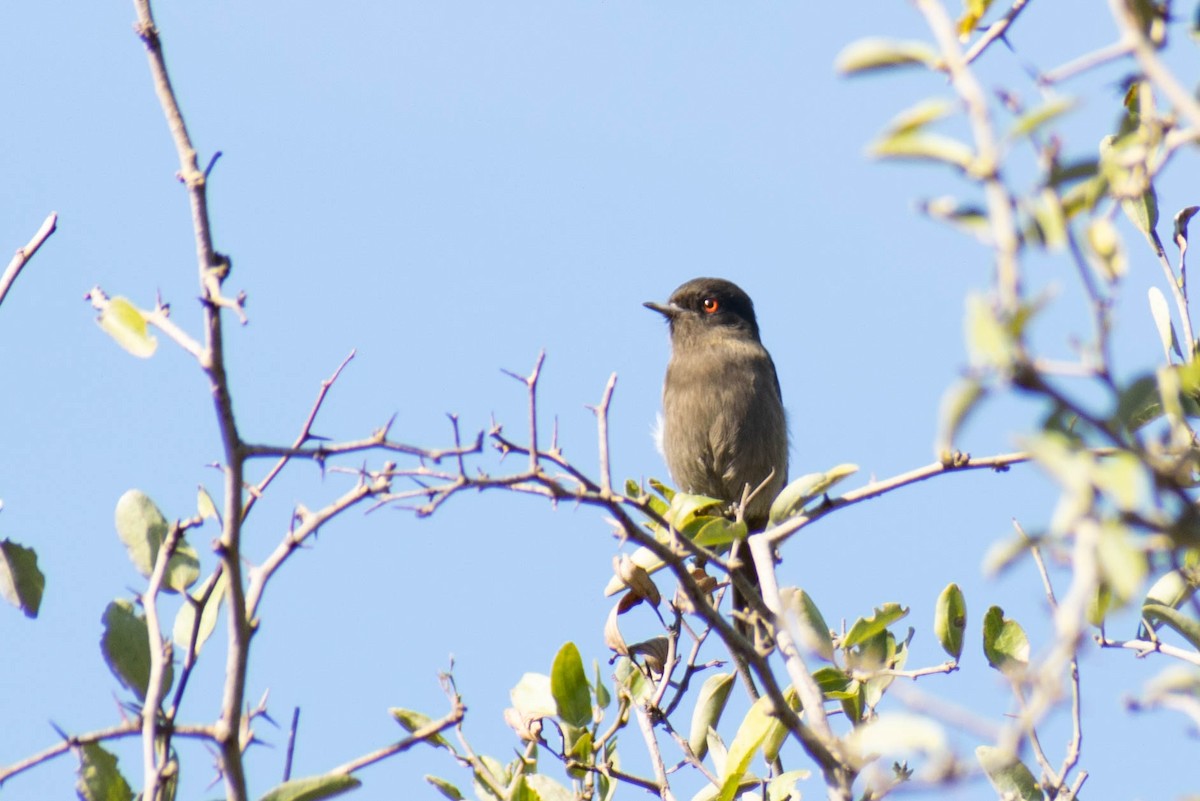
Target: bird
column 724, row 427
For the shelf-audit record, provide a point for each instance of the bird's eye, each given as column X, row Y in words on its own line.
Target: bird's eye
column 710, row 305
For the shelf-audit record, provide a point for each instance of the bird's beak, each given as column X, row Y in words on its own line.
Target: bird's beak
column 670, row 311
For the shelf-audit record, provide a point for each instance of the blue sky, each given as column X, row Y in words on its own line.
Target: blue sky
column 449, row 189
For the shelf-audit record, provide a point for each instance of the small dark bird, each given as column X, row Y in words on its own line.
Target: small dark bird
column 724, row 428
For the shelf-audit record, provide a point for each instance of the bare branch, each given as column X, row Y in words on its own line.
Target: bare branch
column 995, row 31
column 23, row 255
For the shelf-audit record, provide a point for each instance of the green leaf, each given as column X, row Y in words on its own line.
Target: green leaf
column 313, row 788
column 1011, row 779
column 745, row 745
column 205, row 507
column 777, row 733
column 99, row 778
column 1162, row 323
column 142, row 527
column 121, row 320
column 445, row 788
column 184, row 568
column 872, row 54
column 1156, row 614
column 811, row 627
column 1173, row 589
column 126, row 648
column 923, row 146
column 1106, row 249
column 412, row 720
column 835, row 683
column 866, row 628
column 1004, row 643
column 568, row 684
column 532, row 699
column 950, row 620
column 603, row 698
column 1139, row 404
column 1033, row 121
column 1122, row 564
column 989, row 341
column 181, row 632
column 547, row 789
column 1143, row 212
column 783, row 786
column 686, row 508
column 21, row 582
column 718, row 531
column 897, row 734
column 710, row 703
column 967, row 218
column 916, row 117
column 799, row 493
column 957, row 404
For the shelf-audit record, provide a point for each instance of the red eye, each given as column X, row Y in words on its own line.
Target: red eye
column 710, row 305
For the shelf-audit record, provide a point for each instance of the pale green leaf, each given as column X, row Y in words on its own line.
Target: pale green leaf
column 185, row 620
column 1033, row 121
column 916, row 117
column 121, row 320
column 799, row 493
column 1162, row 323
column 710, row 703
column 1156, row 614
column 866, row 628
column 811, row 628
column 1011, row 779
column 924, row 146
column 957, row 404
column 899, row 734
column 411, row 720
column 1004, row 643
column 967, row 218
column 783, row 786
column 142, row 528
column 205, row 508
column 183, row 569
column 745, row 745
column 313, row 788
column 444, row 787
column 1106, row 250
column 867, row 55
column 989, row 342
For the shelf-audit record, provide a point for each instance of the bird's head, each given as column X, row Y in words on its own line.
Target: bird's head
column 705, row 308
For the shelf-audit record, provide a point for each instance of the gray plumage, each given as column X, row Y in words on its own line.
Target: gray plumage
column 724, row 425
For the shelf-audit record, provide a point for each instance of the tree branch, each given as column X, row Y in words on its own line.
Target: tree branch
column 23, row 255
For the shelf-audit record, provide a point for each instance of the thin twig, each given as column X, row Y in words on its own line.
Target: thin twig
column 301, row 438
column 999, row 462
column 995, row 31
column 423, row 734
column 23, row 255
column 291, row 744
